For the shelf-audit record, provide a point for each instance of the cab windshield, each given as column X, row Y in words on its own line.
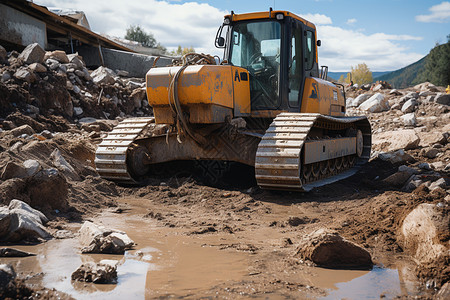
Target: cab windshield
column 256, row 47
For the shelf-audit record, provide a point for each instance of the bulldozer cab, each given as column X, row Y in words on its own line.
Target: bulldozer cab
column 279, row 51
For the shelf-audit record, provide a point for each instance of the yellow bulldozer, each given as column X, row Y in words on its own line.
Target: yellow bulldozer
column 265, row 105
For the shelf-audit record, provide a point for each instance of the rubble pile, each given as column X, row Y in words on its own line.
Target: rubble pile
column 36, row 82
column 411, row 130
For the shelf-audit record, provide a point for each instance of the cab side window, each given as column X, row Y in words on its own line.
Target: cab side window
column 309, row 50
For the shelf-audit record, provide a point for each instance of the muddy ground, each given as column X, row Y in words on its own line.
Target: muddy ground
column 229, row 212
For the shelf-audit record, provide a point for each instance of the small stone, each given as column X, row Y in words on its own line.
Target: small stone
column 431, row 153
column 409, row 106
column 77, row 111
column 424, row 166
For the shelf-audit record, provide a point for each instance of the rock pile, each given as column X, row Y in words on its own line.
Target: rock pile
column 38, row 82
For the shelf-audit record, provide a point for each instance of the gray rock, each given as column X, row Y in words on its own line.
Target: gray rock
column 326, row 248
column 397, row 179
column 98, row 239
column 31, row 166
column 360, row 99
column 431, row 153
column 21, row 130
column 7, row 274
column 399, row 156
column 25, row 75
column 395, row 92
column 409, row 106
column 103, row 75
column 404, row 168
column 413, row 182
column 412, row 95
column 122, row 73
column 37, row 67
column 13, row 170
column 443, row 99
column 77, row 111
column 349, row 102
column 96, row 273
column 58, row 55
column 76, row 59
column 52, row 64
column 32, row 54
column 6, row 76
column 424, row 166
column 17, row 204
column 409, row 119
column 61, row 164
column 11, row 252
column 376, row 103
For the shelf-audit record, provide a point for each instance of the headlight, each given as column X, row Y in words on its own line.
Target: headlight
column 280, row 16
column 227, row 21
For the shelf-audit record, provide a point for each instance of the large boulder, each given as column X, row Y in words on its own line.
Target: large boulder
column 102, row 272
column 32, row 54
column 24, row 129
column 376, row 103
column 394, row 140
column 359, row 100
column 98, row 239
column 425, row 233
column 326, row 248
column 23, row 223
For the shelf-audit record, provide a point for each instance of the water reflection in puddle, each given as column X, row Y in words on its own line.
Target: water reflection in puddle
column 373, row 284
column 167, row 264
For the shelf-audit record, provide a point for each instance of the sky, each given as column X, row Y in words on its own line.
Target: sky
column 384, row 34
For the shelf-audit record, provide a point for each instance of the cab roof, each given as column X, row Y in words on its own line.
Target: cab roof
column 268, row 15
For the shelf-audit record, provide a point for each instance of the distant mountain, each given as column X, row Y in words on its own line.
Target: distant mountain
column 403, row 77
column 337, row 75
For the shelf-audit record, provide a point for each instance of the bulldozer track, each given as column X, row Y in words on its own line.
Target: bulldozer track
column 278, row 158
column 111, row 154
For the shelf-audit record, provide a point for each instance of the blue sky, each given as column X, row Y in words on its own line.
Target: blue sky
column 386, row 35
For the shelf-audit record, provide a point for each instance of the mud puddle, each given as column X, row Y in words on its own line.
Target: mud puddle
column 167, row 263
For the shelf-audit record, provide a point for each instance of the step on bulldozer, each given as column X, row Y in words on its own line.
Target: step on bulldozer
column 265, row 105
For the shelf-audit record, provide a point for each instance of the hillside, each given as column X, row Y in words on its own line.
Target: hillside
column 337, row 75
column 403, row 77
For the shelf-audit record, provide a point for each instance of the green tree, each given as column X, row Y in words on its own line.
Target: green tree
column 137, row 34
column 182, row 51
column 361, row 74
column 437, row 66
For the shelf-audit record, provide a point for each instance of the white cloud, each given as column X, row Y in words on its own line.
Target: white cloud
column 351, row 21
column 440, row 13
column 317, row 19
column 195, row 24
column 343, row 48
column 172, row 24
